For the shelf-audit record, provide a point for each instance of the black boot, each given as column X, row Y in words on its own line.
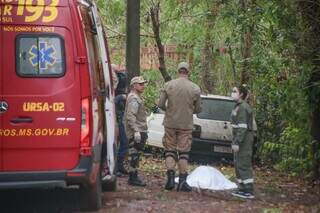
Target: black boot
column 121, row 170
column 248, row 188
column 170, row 180
column 134, row 179
column 183, row 185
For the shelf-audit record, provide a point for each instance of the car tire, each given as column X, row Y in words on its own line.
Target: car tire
column 91, row 195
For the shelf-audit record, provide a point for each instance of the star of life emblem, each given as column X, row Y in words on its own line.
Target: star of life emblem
column 42, row 56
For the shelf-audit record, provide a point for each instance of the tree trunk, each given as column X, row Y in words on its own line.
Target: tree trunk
column 233, row 62
column 246, row 55
column 310, row 11
column 246, row 44
column 315, row 131
column 133, row 38
column 209, row 62
column 154, row 13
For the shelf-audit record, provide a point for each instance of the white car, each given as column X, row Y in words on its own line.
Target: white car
column 212, row 132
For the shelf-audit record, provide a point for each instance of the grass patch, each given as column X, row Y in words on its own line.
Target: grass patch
column 162, row 196
column 273, row 210
column 139, row 196
column 227, row 171
column 271, row 189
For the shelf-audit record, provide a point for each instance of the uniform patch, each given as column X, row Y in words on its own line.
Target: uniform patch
column 133, row 105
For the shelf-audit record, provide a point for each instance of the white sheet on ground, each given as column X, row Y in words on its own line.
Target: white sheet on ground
column 207, row 177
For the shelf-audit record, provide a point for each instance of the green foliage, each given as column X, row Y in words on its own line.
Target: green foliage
column 152, row 90
column 292, row 151
column 278, row 79
column 280, row 87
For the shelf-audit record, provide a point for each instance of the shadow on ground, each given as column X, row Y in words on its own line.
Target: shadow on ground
column 39, row 200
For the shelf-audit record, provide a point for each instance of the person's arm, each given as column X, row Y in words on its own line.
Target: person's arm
column 163, row 100
column 132, row 110
column 197, row 103
column 115, row 79
column 241, row 127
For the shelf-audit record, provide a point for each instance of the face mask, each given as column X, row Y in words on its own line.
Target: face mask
column 235, row 95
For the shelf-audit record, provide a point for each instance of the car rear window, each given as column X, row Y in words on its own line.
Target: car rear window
column 215, row 109
column 40, row 56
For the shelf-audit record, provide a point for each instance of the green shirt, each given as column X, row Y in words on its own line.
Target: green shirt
column 241, row 121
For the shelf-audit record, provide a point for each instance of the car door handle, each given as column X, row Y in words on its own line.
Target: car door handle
column 19, row 120
column 225, row 125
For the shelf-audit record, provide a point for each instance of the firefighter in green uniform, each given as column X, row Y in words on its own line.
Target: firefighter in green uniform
column 136, row 127
column 242, row 130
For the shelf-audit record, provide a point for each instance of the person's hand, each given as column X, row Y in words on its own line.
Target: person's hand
column 137, row 137
column 235, row 148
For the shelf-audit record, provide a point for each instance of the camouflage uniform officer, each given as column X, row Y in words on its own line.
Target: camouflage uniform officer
column 136, row 127
column 180, row 98
column 242, row 125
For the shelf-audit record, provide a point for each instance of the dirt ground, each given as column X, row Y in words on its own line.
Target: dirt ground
column 274, row 193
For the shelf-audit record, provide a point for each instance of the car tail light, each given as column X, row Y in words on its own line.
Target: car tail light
column 196, row 131
column 85, row 146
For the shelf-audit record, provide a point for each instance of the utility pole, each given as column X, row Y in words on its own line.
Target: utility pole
column 133, row 38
